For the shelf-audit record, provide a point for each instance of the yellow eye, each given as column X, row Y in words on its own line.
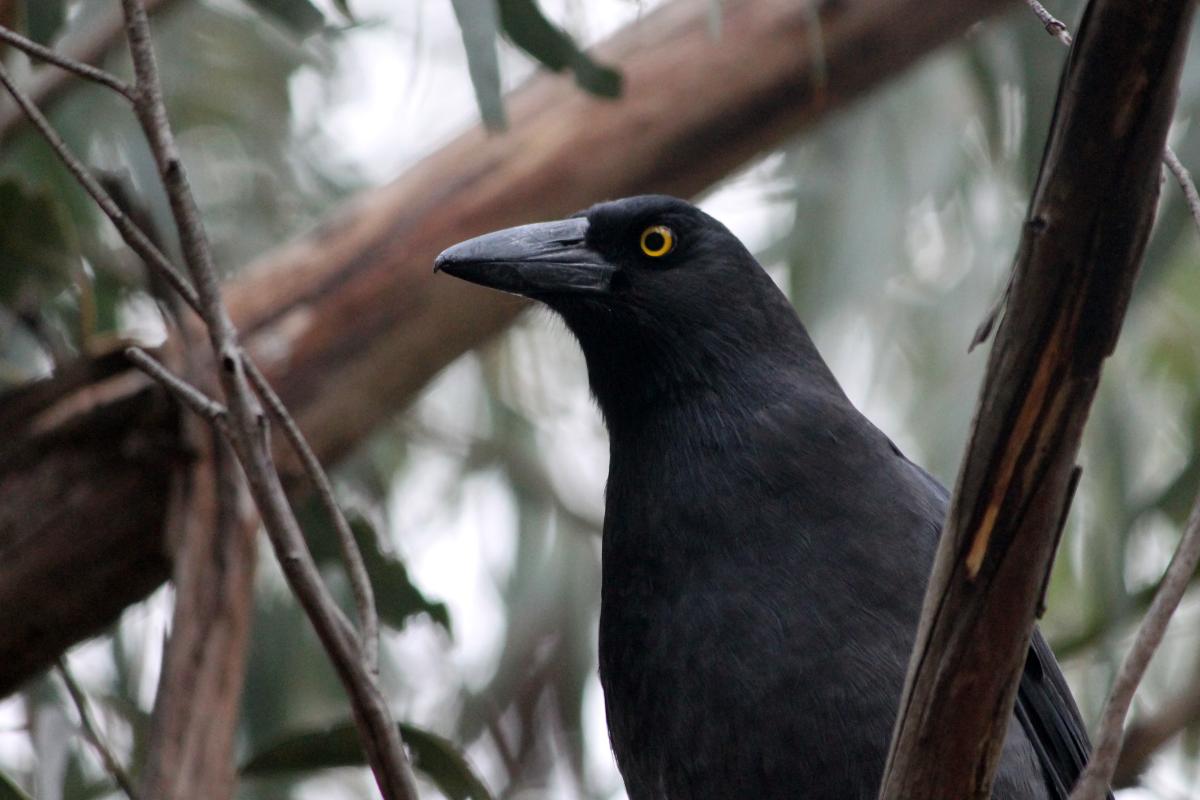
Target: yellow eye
column 657, row 241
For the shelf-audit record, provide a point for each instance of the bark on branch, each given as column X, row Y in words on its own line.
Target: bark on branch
column 348, row 323
column 1081, row 246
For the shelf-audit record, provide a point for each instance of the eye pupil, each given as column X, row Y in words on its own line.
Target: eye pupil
column 655, row 241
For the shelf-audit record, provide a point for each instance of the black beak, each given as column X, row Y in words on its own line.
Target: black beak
column 539, row 260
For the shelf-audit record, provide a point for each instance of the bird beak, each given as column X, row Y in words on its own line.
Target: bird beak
column 539, row 260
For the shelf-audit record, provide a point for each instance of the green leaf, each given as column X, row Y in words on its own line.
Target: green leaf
column 9, row 790
column 44, row 19
column 339, row 746
column 445, row 765
column 529, row 30
column 397, row 598
column 301, row 16
column 37, row 241
column 479, row 23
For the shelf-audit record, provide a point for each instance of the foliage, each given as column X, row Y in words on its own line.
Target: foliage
column 9, row 790
column 338, row 746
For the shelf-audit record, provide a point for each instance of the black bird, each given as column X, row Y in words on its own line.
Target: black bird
column 766, row 548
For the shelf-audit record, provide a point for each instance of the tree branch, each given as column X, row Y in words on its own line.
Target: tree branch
column 1095, row 779
column 1081, row 247
column 85, row 71
column 183, row 391
column 193, row 730
column 111, row 765
column 356, row 568
column 247, row 431
column 1145, row 736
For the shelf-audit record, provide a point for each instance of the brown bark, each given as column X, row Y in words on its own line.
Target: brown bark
column 199, row 693
column 86, row 464
column 1081, row 247
column 349, row 322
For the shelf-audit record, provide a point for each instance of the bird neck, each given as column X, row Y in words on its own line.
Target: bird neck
column 703, row 384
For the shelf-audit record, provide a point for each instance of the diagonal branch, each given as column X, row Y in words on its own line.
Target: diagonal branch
column 111, row 765
column 1095, row 779
column 131, row 233
column 85, row 71
column 356, row 568
column 1081, row 247
column 189, row 395
column 1146, row 735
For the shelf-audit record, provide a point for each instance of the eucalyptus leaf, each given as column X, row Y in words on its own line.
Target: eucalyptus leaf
column 338, row 746
column 37, row 242
column 397, row 598
column 524, row 23
column 479, row 23
column 9, row 790
column 301, row 16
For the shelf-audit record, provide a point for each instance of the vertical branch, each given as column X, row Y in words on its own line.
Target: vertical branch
column 193, row 729
column 249, row 433
column 1082, row 243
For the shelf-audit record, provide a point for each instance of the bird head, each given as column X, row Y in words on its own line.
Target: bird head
column 663, row 299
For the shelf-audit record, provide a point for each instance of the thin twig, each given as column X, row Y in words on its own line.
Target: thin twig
column 1096, row 777
column 1054, row 26
column 1185, row 181
column 133, row 236
column 1147, row 734
column 92, row 733
column 249, row 435
column 85, row 71
column 356, row 568
column 192, row 397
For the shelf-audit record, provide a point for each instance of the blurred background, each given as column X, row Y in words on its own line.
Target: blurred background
column 891, row 225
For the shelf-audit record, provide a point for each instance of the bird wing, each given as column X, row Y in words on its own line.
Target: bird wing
column 1047, row 712
column 1045, row 707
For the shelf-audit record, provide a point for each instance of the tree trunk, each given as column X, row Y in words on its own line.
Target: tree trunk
column 1081, row 247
